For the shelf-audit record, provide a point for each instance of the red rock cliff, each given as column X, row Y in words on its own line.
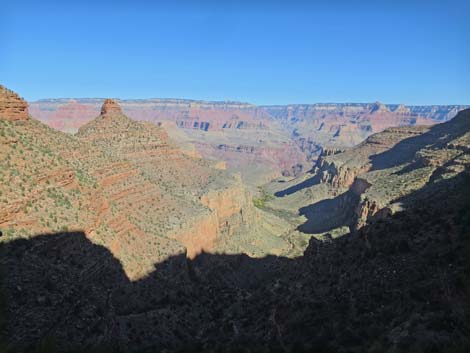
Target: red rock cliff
column 12, row 106
column 110, row 106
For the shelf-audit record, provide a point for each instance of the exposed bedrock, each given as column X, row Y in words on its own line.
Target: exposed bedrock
column 12, row 106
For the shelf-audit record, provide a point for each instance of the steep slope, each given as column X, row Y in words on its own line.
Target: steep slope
column 12, row 107
column 192, row 185
column 121, row 182
column 400, row 285
column 350, row 188
column 41, row 190
column 262, row 142
column 239, row 134
column 339, row 126
column 233, row 225
column 188, row 114
column 96, row 229
column 440, row 153
column 52, row 182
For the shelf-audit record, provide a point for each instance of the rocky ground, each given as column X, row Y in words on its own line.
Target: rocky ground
column 115, row 239
column 346, row 190
column 125, row 185
column 399, row 285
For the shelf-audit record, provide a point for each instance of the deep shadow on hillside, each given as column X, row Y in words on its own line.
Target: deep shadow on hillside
column 405, row 151
column 314, row 180
column 438, row 136
column 399, row 285
column 328, row 214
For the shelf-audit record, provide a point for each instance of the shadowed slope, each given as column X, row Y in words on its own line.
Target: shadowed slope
column 437, row 137
column 328, row 214
column 311, row 181
column 371, row 180
column 396, row 285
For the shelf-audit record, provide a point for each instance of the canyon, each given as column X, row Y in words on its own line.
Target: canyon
column 234, row 176
column 261, row 142
column 175, row 225
column 346, row 190
column 116, row 179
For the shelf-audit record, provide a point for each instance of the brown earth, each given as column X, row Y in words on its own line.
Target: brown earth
column 399, row 285
column 121, row 181
column 105, row 234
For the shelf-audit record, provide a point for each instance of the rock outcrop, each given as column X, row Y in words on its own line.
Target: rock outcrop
column 207, row 124
column 206, row 203
column 122, row 182
column 110, row 107
column 302, row 130
column 340, row 126
column 340, row 168
column 402, row 109
column 398, row 285
column 372, row 181
column 12, row 106
column 232, row 206
column 397, row 162
column 104, row 238
column 378, row 107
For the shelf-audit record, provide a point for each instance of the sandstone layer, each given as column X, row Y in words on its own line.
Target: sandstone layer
column 110, row 107
column 233, row 132
column 391, row 286
column 105, row 234
column 346, row 190
column 12, row 107
column 122, row 182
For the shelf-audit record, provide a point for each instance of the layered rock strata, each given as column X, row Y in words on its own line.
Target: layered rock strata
column 12, row 106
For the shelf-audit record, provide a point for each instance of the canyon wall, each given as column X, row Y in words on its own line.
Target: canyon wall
column 198, row 115
column 124, row 183
column 239, row 134
column 396, row 162
column 69, row 114
column 262, row 142
column 350, row 188
column 344, row 125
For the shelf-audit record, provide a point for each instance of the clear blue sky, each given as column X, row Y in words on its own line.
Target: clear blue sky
column 264, row 52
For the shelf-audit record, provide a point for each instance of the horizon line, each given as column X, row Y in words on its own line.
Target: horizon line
column 228, row 101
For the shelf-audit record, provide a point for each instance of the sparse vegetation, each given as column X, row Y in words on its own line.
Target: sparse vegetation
column 141, row 201
column 260, row 202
